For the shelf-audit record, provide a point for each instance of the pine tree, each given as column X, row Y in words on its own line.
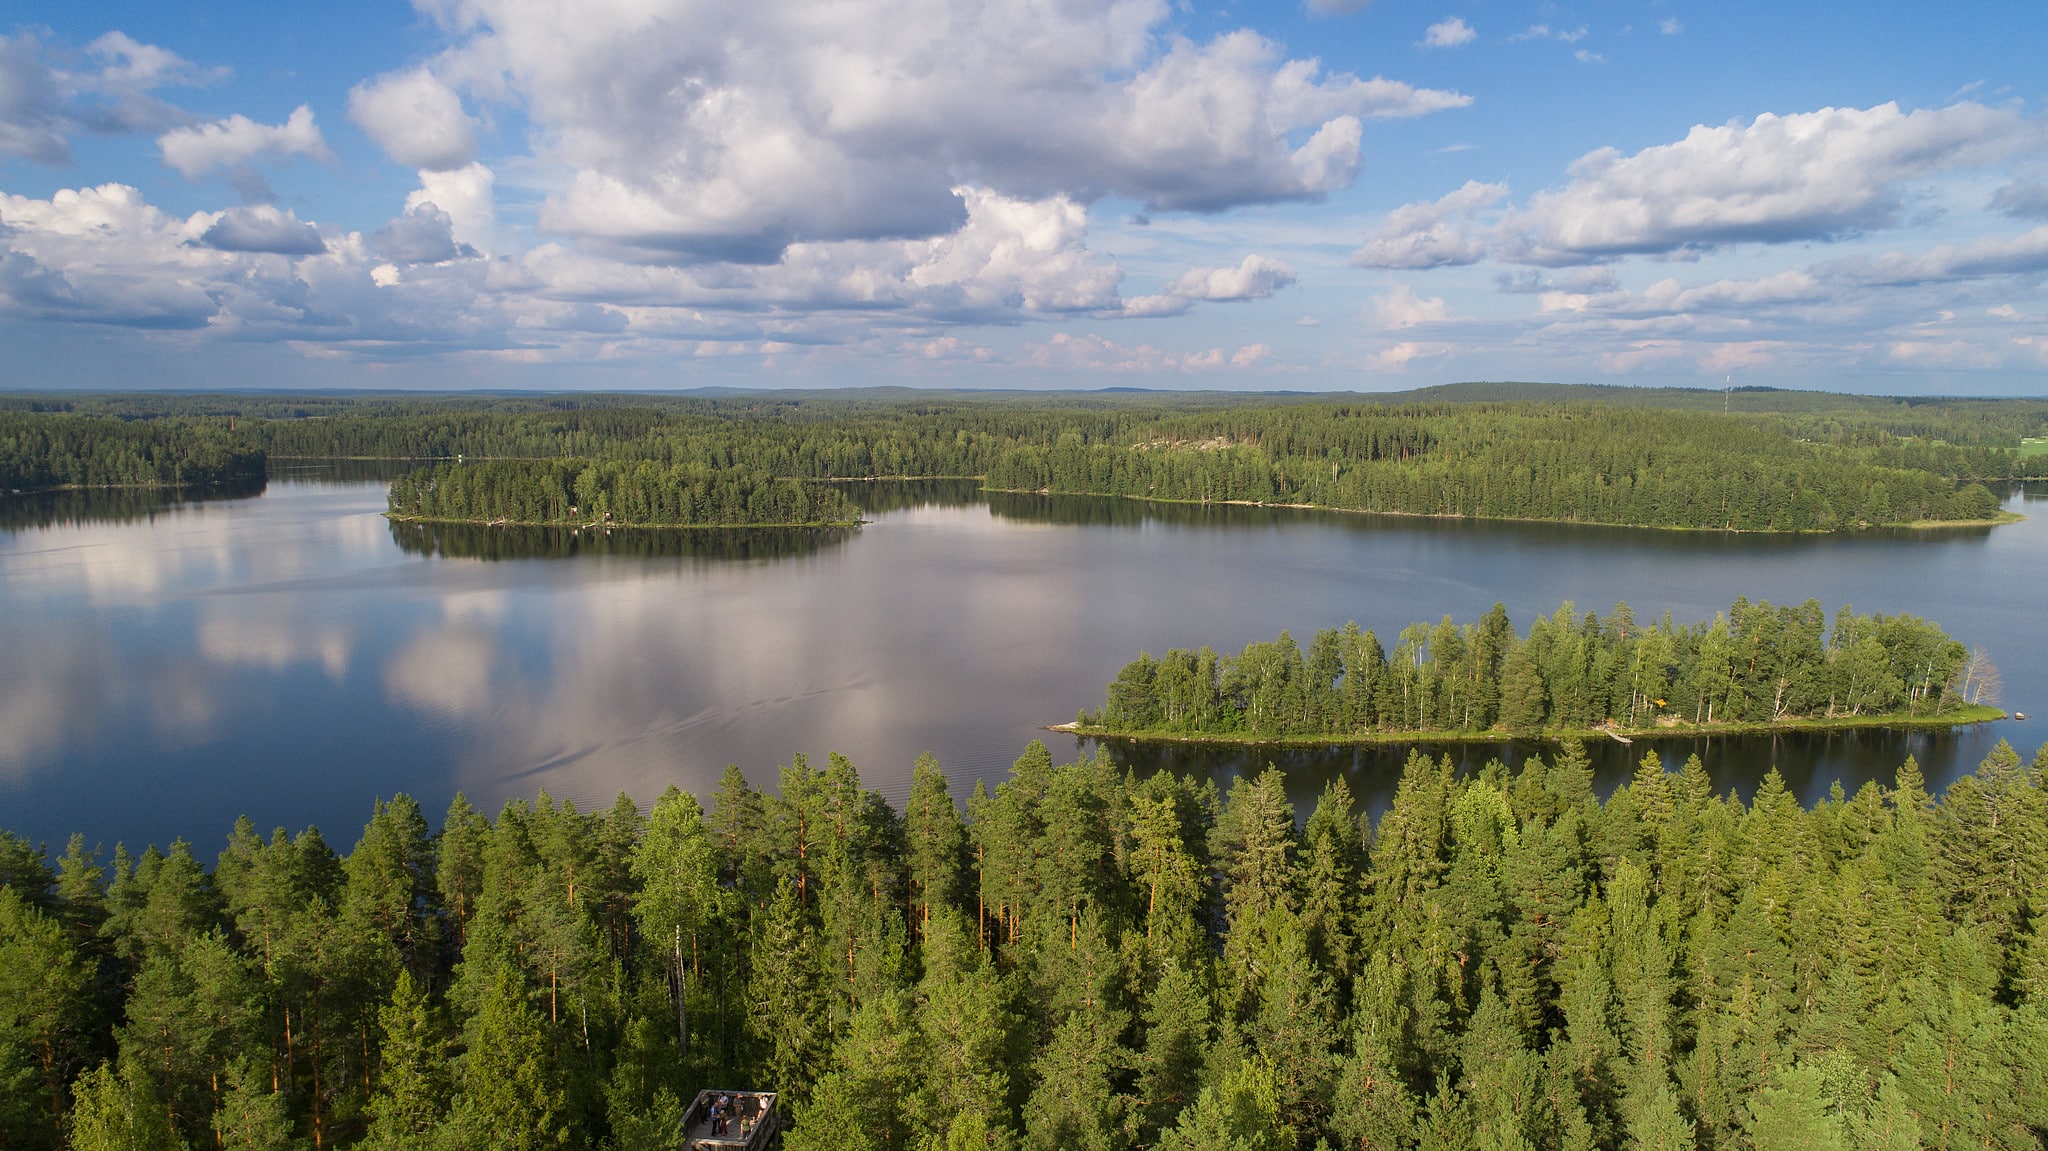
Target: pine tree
column 786, row 1002
column 937, row 840
column 1791, row 1113
column 252, row 1116
column 1240, row 1113
column 511, row 1097
column 119, row 1112
column 413, row 1085
column 1177, row 1034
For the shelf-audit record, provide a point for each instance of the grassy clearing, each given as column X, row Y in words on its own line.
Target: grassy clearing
column 2037, row 446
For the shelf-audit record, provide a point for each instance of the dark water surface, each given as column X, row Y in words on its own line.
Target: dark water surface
column 290, row 655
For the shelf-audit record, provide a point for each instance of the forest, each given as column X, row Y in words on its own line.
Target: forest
column 39, row 452
column 1081, row 959
column 1640, row 457
column 1754, row 664
column 623, row 493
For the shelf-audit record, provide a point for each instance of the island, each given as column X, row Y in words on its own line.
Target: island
column 612, row 493
column 1755, row 668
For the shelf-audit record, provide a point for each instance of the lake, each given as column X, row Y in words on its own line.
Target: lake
column 289, row 654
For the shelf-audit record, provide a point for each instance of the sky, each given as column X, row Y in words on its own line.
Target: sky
column 1330, row 195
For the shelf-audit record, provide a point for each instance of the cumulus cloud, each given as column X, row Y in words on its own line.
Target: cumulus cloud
column 1989, row 256
column 2022, row 200
column 1546, row 32
column 692, row 131
column 262, row 228
column 466, row 195
column 235, row 144
column 1448, row 33
column 33, row 119
column 45, row 97
column 1256, row 278
column 1094, row 353
column 1530, row 281
column 1433, row 234
column 415, row 118
column 1402, row 308
column 424, row 235
column 1808, row 176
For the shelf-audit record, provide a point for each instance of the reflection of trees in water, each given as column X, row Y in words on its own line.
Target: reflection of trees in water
column 317, row 471
column 877, row 496
column 1808, row 762
column 489, row 542
column 112, row 505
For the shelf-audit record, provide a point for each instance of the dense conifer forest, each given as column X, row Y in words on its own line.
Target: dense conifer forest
column 39, row 451
column 639, row 494
column 1641, row 457
column 1084, row 959
column 1755, row 664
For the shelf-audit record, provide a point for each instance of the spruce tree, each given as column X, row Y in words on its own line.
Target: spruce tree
column 413, row 1086
column 511, row 1096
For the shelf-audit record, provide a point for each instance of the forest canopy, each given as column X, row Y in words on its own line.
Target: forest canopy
column 637, row 494
column 1639, row 457
column 1083, row 958
column 1753, row 664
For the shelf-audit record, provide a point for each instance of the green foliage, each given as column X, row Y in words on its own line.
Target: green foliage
column 1755, row 663
column 64, row 451
column 1663, row 458
column 1507, row 961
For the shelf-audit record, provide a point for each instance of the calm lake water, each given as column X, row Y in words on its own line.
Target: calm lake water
column 165, row 667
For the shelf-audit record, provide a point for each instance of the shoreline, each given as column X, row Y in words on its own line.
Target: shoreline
column 1968, row 716
column 581, row 524
column 2001, row 519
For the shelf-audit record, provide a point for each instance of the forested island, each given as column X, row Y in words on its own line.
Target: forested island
column 1755, row 667
column 1085, row 959
column 44, row 452
column 1662, row 458
column 613, row 492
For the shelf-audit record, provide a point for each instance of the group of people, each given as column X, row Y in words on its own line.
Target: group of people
column 748, row 1109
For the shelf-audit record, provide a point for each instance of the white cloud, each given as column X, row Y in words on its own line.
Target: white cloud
column 1402, row 308
column 692, row 131
column 235, row 144
column 1433, row 234
column 1814, row 175
column 2023, row 254
column 42, row 103
column 1449, row 33
column 1670, row 26
column 415, row 118
column 466, row 195
column 1093, row 353
column 1399, row 356
column 1530, row 281
column 2022, row 200
column 1257, row 278
column 1588, row 56
column 262, row 228
column 1546, row 32
column 423, row 235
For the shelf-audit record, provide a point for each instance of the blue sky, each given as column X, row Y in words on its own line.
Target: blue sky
column 665, row 194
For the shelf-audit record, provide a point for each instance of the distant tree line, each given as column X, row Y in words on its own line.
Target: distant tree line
column 1608, row 465
column 1609, row 456
column 1754, row 664
column 1084, row 959
column 638, row 493
column 43, row 451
